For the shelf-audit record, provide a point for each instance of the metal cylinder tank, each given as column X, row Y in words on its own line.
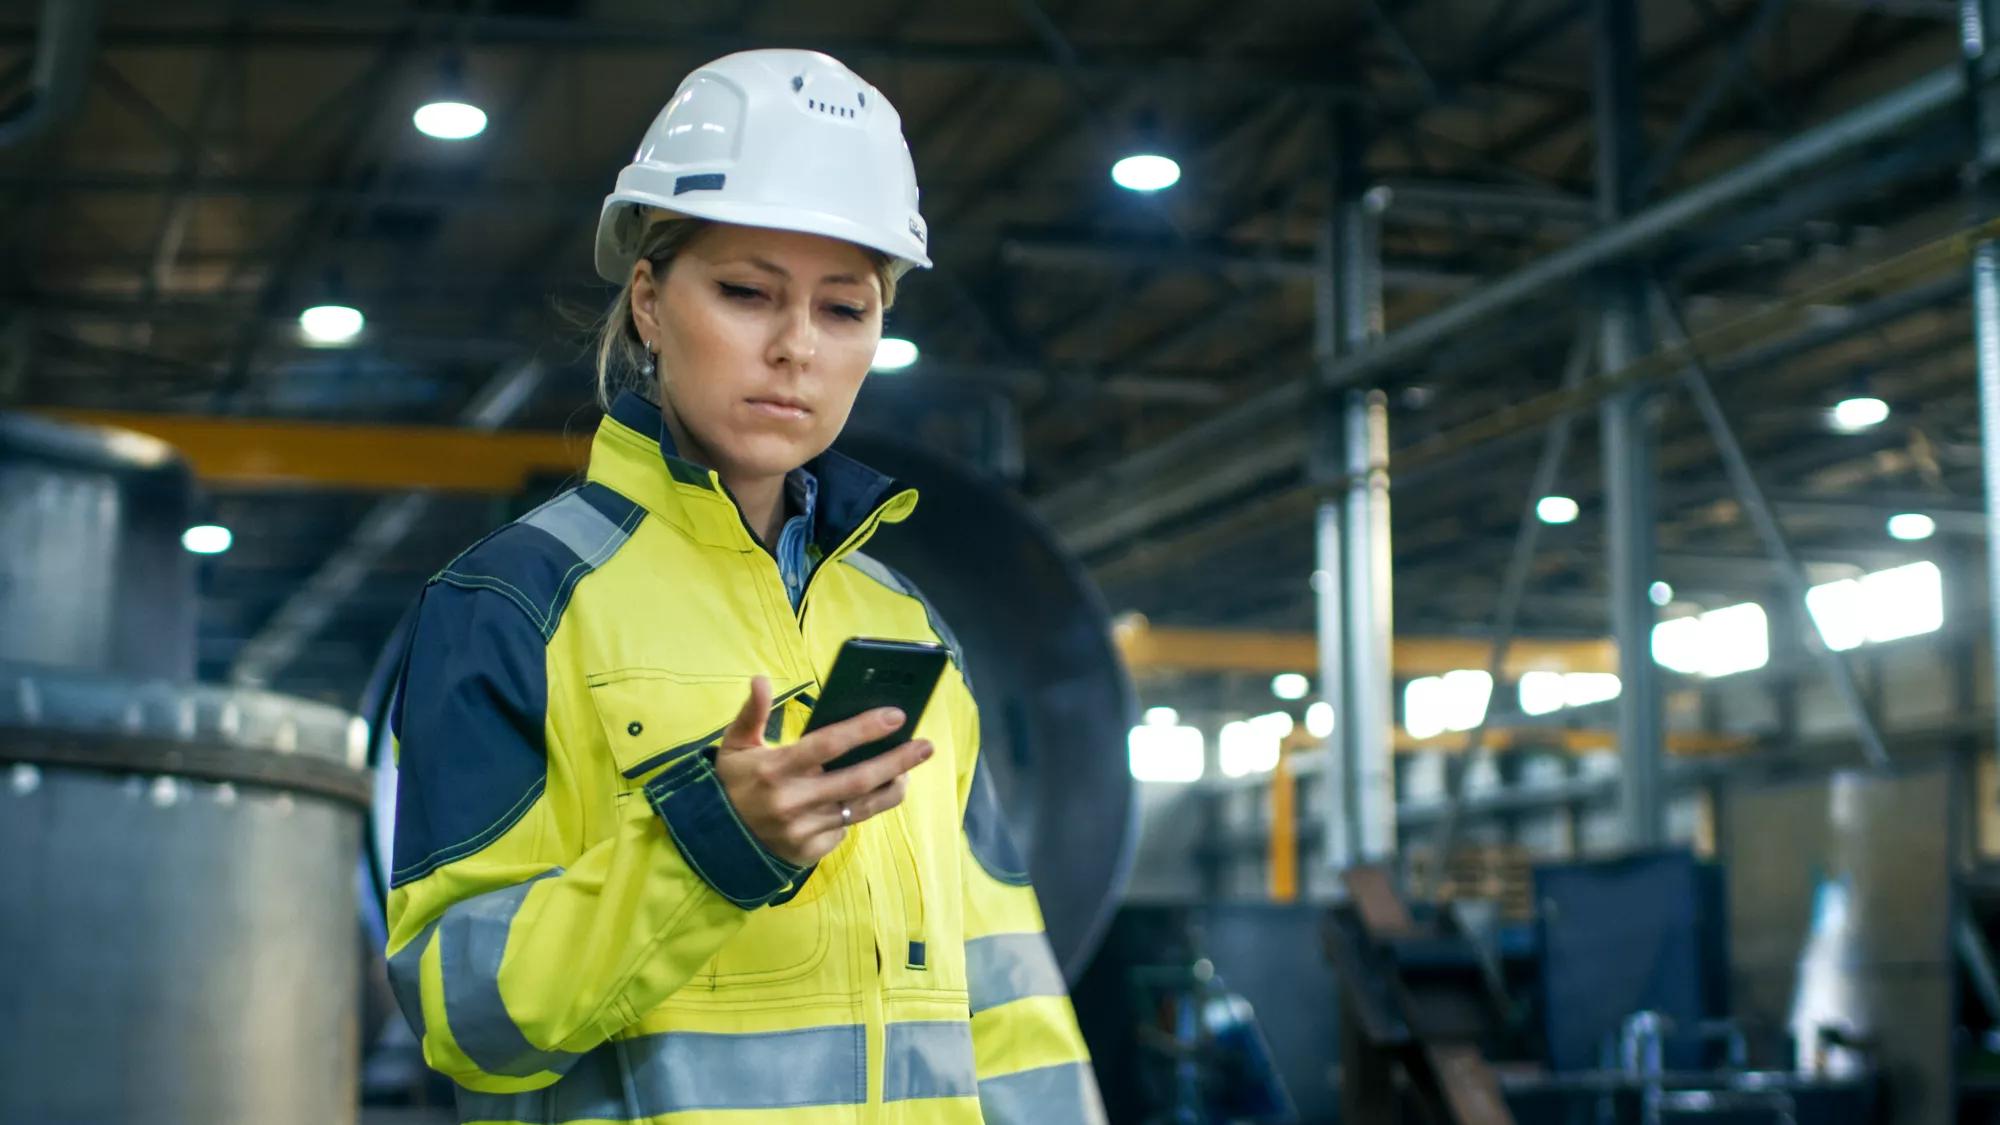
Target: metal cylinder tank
column 177, row 861
column 92, row 574
column 177, row 864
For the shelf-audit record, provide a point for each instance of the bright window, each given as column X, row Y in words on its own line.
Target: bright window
column 1252, row 746
column 1454, row 701
column 1545, row 692
column 1903, row 601
column 1165, row 753
column 1721, row 642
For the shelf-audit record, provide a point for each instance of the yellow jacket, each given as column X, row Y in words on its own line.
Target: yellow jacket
column 579, row 926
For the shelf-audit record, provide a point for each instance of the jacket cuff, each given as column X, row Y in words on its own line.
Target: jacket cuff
column 689, row 798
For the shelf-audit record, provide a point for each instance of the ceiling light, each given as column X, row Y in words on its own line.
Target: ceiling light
column 449, row 121
column 1911, row 525
column 1852, row 414
column 1290, row 685
column 330, row 324
column 1556, row 509
column 894, row 354
column 1145, row 172
column 207, row 539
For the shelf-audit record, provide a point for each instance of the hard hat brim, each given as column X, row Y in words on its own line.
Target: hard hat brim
column 615, row 253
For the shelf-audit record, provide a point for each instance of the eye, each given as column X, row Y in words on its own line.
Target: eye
column 850, row 312
column 740, row 292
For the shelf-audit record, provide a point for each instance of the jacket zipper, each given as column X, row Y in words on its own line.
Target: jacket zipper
column 875, row 1019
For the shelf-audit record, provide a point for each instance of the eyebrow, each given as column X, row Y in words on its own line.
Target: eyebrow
column 773, row 268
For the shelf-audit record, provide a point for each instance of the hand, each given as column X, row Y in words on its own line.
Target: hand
column 787, row 800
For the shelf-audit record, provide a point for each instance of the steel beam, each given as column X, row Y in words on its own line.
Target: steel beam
column 1153, row 649
column 63, row 42
column 292, row 626
column 253, row 453
column 1257, row 419
column 1791, row 571
column 1514, row 583
column 1239, row 264
column 1145, row 67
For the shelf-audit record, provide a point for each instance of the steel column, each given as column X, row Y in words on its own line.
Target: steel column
column 1628, row 432
column 1351, row 542
column 1976, row 32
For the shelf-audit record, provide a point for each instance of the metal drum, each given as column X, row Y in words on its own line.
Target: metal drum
column 177, row 864
column 92, row 574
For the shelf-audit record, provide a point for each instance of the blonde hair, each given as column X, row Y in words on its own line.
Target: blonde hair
column 621, row 354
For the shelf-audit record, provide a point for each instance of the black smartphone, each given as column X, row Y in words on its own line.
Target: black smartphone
column 870, row 673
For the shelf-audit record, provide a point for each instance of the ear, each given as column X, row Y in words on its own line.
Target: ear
column 646, row 286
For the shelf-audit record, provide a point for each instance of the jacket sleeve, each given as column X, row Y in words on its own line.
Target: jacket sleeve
column 1033, row 1066
column 513, row 948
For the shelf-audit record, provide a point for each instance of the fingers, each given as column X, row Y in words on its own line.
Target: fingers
column 823, row 746
column 877, row 801
column 856, row 783
column 747, row 729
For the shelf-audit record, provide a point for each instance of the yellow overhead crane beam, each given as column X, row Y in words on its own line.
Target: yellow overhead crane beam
column 1148, row 649
column 273, row 453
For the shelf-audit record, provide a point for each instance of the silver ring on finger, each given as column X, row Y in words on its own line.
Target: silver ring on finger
column 846, row 816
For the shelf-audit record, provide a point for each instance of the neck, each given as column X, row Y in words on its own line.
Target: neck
column 761, row 499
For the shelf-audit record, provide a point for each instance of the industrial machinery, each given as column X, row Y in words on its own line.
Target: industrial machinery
column 175, row 858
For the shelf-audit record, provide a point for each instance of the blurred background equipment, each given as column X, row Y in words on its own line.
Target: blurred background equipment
column 176, row 859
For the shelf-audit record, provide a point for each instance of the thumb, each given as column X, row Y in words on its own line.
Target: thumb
column 746, row 731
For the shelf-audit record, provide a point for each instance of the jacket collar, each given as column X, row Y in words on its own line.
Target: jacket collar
column 634, row 453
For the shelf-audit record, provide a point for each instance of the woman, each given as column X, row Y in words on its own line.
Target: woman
column 623, row 891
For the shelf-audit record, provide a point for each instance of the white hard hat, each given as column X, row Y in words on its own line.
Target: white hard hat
column 785, row 139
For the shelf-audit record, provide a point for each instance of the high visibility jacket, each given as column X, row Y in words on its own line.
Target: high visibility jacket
column 580, row 926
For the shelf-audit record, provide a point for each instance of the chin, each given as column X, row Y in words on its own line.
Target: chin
column 768, row 455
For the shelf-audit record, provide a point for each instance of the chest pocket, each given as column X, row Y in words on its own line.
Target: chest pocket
column 652, row 718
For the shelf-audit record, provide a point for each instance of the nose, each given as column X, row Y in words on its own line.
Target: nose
column 796, row 341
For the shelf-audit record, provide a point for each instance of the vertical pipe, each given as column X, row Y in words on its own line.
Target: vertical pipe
column 1370, row 675
column 1627, row 433
column 1328, row 587
column 1282, row 859
column 1976, row 18
column 1367, row 638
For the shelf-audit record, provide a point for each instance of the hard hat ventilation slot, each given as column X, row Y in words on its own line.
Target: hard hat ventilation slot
column 829, row 107
column 706, row 181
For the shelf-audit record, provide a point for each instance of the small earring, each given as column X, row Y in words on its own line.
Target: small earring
column 651, row 366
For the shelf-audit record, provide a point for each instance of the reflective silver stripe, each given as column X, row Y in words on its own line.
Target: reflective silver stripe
column 587, row 532
column 679, row 1071
column 929, row 1059
column 1006, row 967
column 472, row 935
column 406, row 978
column 1064, row 1094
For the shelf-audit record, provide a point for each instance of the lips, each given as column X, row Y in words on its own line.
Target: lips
column 776, row 406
